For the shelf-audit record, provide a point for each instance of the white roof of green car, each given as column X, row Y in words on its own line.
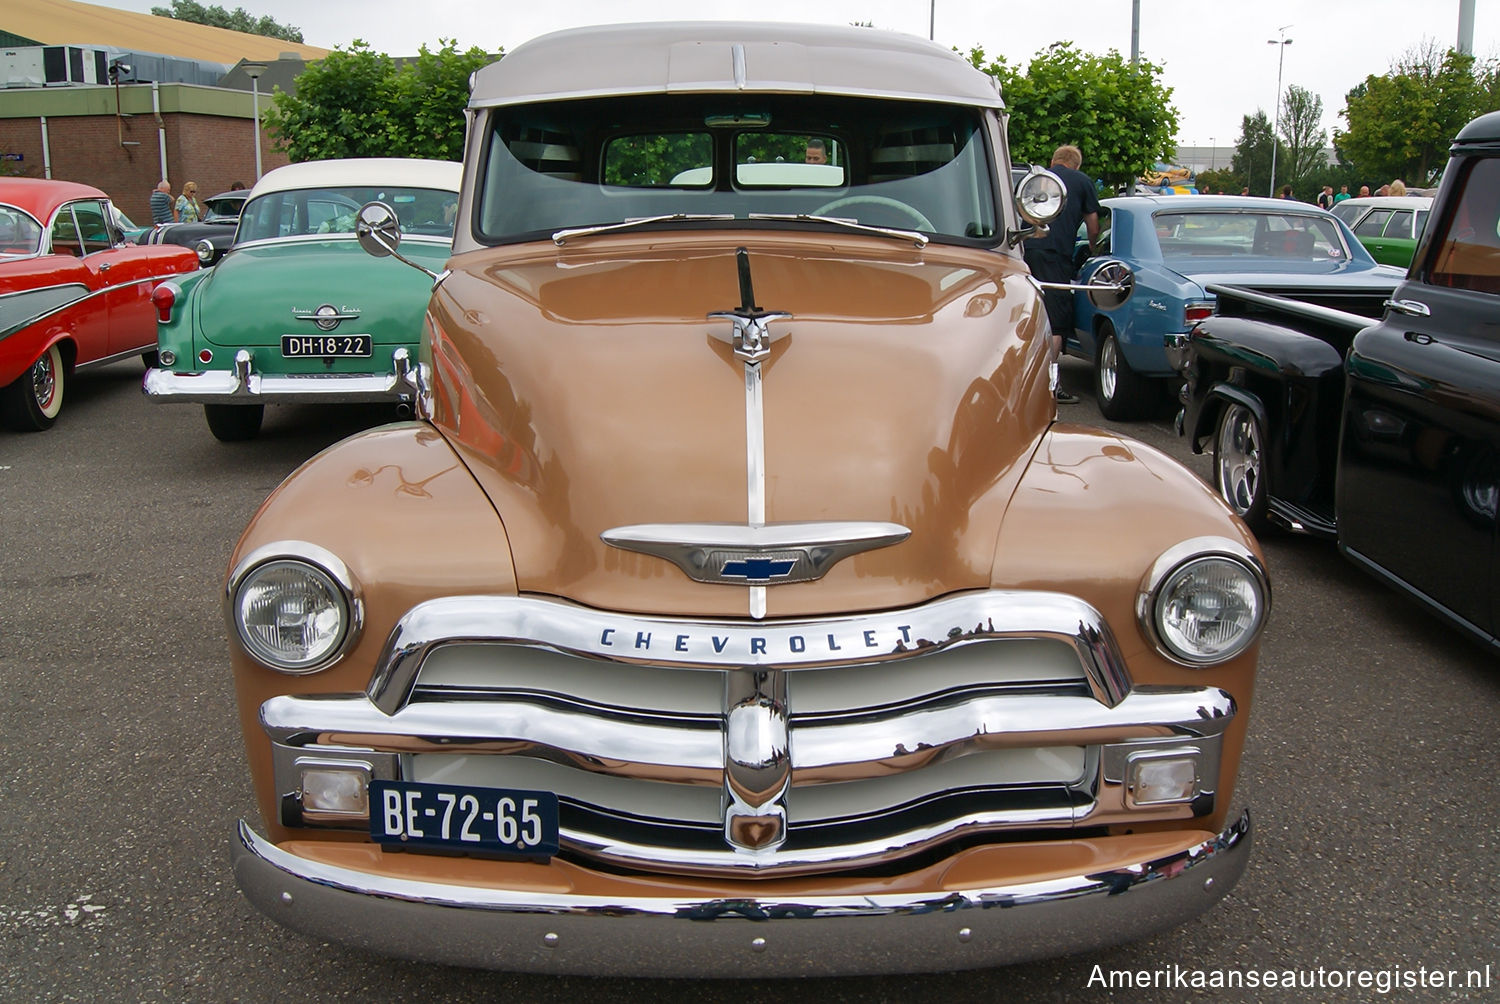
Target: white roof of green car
column 440, row 175
column 733, row 58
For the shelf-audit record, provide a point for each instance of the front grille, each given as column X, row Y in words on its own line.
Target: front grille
column 790, row 762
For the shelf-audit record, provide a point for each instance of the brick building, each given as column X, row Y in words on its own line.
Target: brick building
column 125, row 138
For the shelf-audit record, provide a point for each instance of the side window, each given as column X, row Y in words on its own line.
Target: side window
column 64, row 234
column 1468, row 253
column 93, row 226
column 1373, row 225
column 1400, row 225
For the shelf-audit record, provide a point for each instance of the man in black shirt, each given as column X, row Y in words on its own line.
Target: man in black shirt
column 1051, row 257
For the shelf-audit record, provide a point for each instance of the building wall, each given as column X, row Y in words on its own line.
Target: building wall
column 208, row 139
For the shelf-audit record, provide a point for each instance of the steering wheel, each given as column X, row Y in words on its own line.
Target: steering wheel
column 923, row 223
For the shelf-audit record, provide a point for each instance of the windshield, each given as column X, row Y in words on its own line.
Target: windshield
column 331, row 211
column 19, row 233
column 1254, row 234
column 906, row 165
column 223, row 209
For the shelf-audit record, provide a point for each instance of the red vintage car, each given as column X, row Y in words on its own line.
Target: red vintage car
column 72, row 293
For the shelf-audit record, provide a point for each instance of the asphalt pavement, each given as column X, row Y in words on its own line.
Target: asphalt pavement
column 1370, row 770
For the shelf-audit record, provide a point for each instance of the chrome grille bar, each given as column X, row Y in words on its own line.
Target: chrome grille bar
column 683, row 643
column 875, row 746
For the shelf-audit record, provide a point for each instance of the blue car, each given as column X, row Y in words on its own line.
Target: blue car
column 1178, row 245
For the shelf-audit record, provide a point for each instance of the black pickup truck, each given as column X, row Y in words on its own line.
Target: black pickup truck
column 1382, row 435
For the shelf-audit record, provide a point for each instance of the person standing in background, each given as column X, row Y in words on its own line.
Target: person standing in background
column 161, row 203
column 1051, row 257
column 189, row 209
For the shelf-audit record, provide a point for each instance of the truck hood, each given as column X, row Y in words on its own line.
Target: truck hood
column 589, row 389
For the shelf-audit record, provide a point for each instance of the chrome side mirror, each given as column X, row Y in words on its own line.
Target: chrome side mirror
column 378, row 231
column 1039, row 196
column 1111, row 284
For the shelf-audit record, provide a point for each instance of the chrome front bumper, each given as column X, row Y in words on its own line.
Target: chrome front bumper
column 665, row 936
column 243, row 385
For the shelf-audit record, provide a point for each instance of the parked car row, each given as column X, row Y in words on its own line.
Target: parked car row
column 1176, row 246
column 1383, row 436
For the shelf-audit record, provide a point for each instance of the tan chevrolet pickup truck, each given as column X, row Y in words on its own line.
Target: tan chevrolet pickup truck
column 737, row 606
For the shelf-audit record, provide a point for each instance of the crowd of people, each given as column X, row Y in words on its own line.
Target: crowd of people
column 1328, row 198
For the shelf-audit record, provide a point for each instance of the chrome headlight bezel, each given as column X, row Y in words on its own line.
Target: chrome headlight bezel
column 320, row 566
column 1187, row 557
column 204, row 249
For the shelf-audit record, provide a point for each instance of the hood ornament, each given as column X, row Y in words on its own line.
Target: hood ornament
column 752, row 339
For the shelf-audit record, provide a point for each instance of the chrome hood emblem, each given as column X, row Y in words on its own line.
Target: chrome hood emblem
column 777, row 554
column 326, row 316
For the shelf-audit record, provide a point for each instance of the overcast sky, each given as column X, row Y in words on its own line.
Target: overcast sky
column 1215, row 55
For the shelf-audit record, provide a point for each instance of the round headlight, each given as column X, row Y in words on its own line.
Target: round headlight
column 291, row 615
column 205, row 249
column 1208, row 609
column 1040, row 195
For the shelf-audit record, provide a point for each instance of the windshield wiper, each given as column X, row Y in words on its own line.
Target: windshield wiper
column 562, row 236
column 920, row 240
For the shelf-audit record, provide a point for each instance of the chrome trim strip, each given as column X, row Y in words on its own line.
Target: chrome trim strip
column 245, row 385
column 669, row 642
column 828, row 749
column 941, row 928
column 738, row 58
column 16, row 326
column 701, row 549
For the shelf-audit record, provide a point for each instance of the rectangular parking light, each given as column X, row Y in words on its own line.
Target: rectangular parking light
column 335, row 790
column 1161, row 779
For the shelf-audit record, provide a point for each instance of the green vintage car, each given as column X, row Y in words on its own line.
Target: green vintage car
column 296, row 312
column 1387, row 225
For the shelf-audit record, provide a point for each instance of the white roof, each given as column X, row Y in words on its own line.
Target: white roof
column 732, row 57
column 441, row 175
column 1391, row 201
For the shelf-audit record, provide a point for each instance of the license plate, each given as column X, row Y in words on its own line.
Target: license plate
column 456, row 817
column 325, row 346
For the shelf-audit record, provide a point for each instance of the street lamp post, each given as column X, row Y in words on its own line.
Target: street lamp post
column 253, row 71
column 1213, row 153
column 1281, row 45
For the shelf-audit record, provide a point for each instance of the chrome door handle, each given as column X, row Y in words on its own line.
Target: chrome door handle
column 1412, row 308
column 105, row 267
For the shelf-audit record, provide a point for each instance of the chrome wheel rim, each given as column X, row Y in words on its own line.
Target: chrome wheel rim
column 1237, row 457
column 44, row 381
column 1107, row 366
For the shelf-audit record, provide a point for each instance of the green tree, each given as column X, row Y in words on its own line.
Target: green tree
column 1222, row 179
column 358, row 103
column 1119, row 116
column 1252, row 153
column 237, row 20
column 1304, row 137
column 1400, row 124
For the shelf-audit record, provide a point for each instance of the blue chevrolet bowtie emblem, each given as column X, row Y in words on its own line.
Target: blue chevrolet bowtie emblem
column 757, row 569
